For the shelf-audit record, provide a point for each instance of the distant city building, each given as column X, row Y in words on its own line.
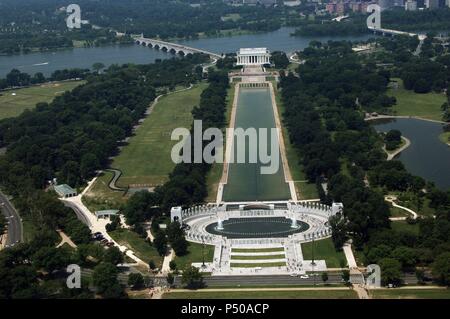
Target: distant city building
column 447, row 3
column 411, row 5
column 342, row 7
column 432, row 4
column 292, row 3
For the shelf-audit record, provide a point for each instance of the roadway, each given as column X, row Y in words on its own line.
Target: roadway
column 279, row 280
column 14, row 222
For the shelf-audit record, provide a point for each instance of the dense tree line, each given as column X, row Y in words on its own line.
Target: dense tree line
column 15, row 78
column 29, row 25
column 69, row 139
column 325, row 124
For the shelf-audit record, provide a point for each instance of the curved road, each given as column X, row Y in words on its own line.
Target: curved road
column 15, row 227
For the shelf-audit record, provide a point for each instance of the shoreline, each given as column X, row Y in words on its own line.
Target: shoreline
column 397, row 151
column 383, row 117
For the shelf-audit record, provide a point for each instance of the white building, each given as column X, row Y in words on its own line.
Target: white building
column 253, row 56
column 411, row 5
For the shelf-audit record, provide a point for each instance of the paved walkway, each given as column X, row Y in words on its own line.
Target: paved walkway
column 392, row 155
column 391, row 199
column 380, row 117
column 98, row 225
column 361, row 291
column 65, row 240
column 351, row 261
column 165, row 269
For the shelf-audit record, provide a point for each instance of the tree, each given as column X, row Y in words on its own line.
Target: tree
column 2, row 224
column 170, row 279
column 391, row 271
column 160, row 243
column 152, row 265
column 180, row 246
column 113, row 255
column 98, row 66
column 441, row 269
column 105, row 280
column 346, row 276
column 172, row 265
column 136, row 281
column 324, row 277
column 192, row 278
column 51, row 258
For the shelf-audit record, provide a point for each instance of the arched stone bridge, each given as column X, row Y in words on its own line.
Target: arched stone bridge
column 173, row 47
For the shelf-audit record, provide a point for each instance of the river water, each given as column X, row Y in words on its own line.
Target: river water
column 47, row 62
column 427, row 156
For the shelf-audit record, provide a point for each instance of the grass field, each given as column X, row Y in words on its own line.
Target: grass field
column 275, row 294
column 143, row 249
column 324, row 249
column 253, row 265
column 146, row 159
column 404, row 226
column 27, row 98
column 234, row 257
column 101, row 197
column 397, row 212
column 410, row 293
column 445, row 137
column 422, row 105
column 195, row 255
column 257, row 250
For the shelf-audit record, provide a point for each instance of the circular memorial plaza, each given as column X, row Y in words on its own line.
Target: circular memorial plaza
column 263, row 227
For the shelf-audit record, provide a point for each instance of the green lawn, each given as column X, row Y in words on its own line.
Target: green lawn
column 410, row 293
column 253, row 265
column 195, row 255
column 146, row 159
column 143, row 249
column 27, row 98
column 422, row 105
column 278, row 294
column 324, row 249
column 445, row 137
column 256, row 250
column 397, row 212
column 234, row 257
column 404, row 226
column 101, row 197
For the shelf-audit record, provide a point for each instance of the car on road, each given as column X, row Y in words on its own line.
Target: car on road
column 304, row 276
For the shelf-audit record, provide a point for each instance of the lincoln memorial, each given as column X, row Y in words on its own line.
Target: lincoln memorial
column 253, row 56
